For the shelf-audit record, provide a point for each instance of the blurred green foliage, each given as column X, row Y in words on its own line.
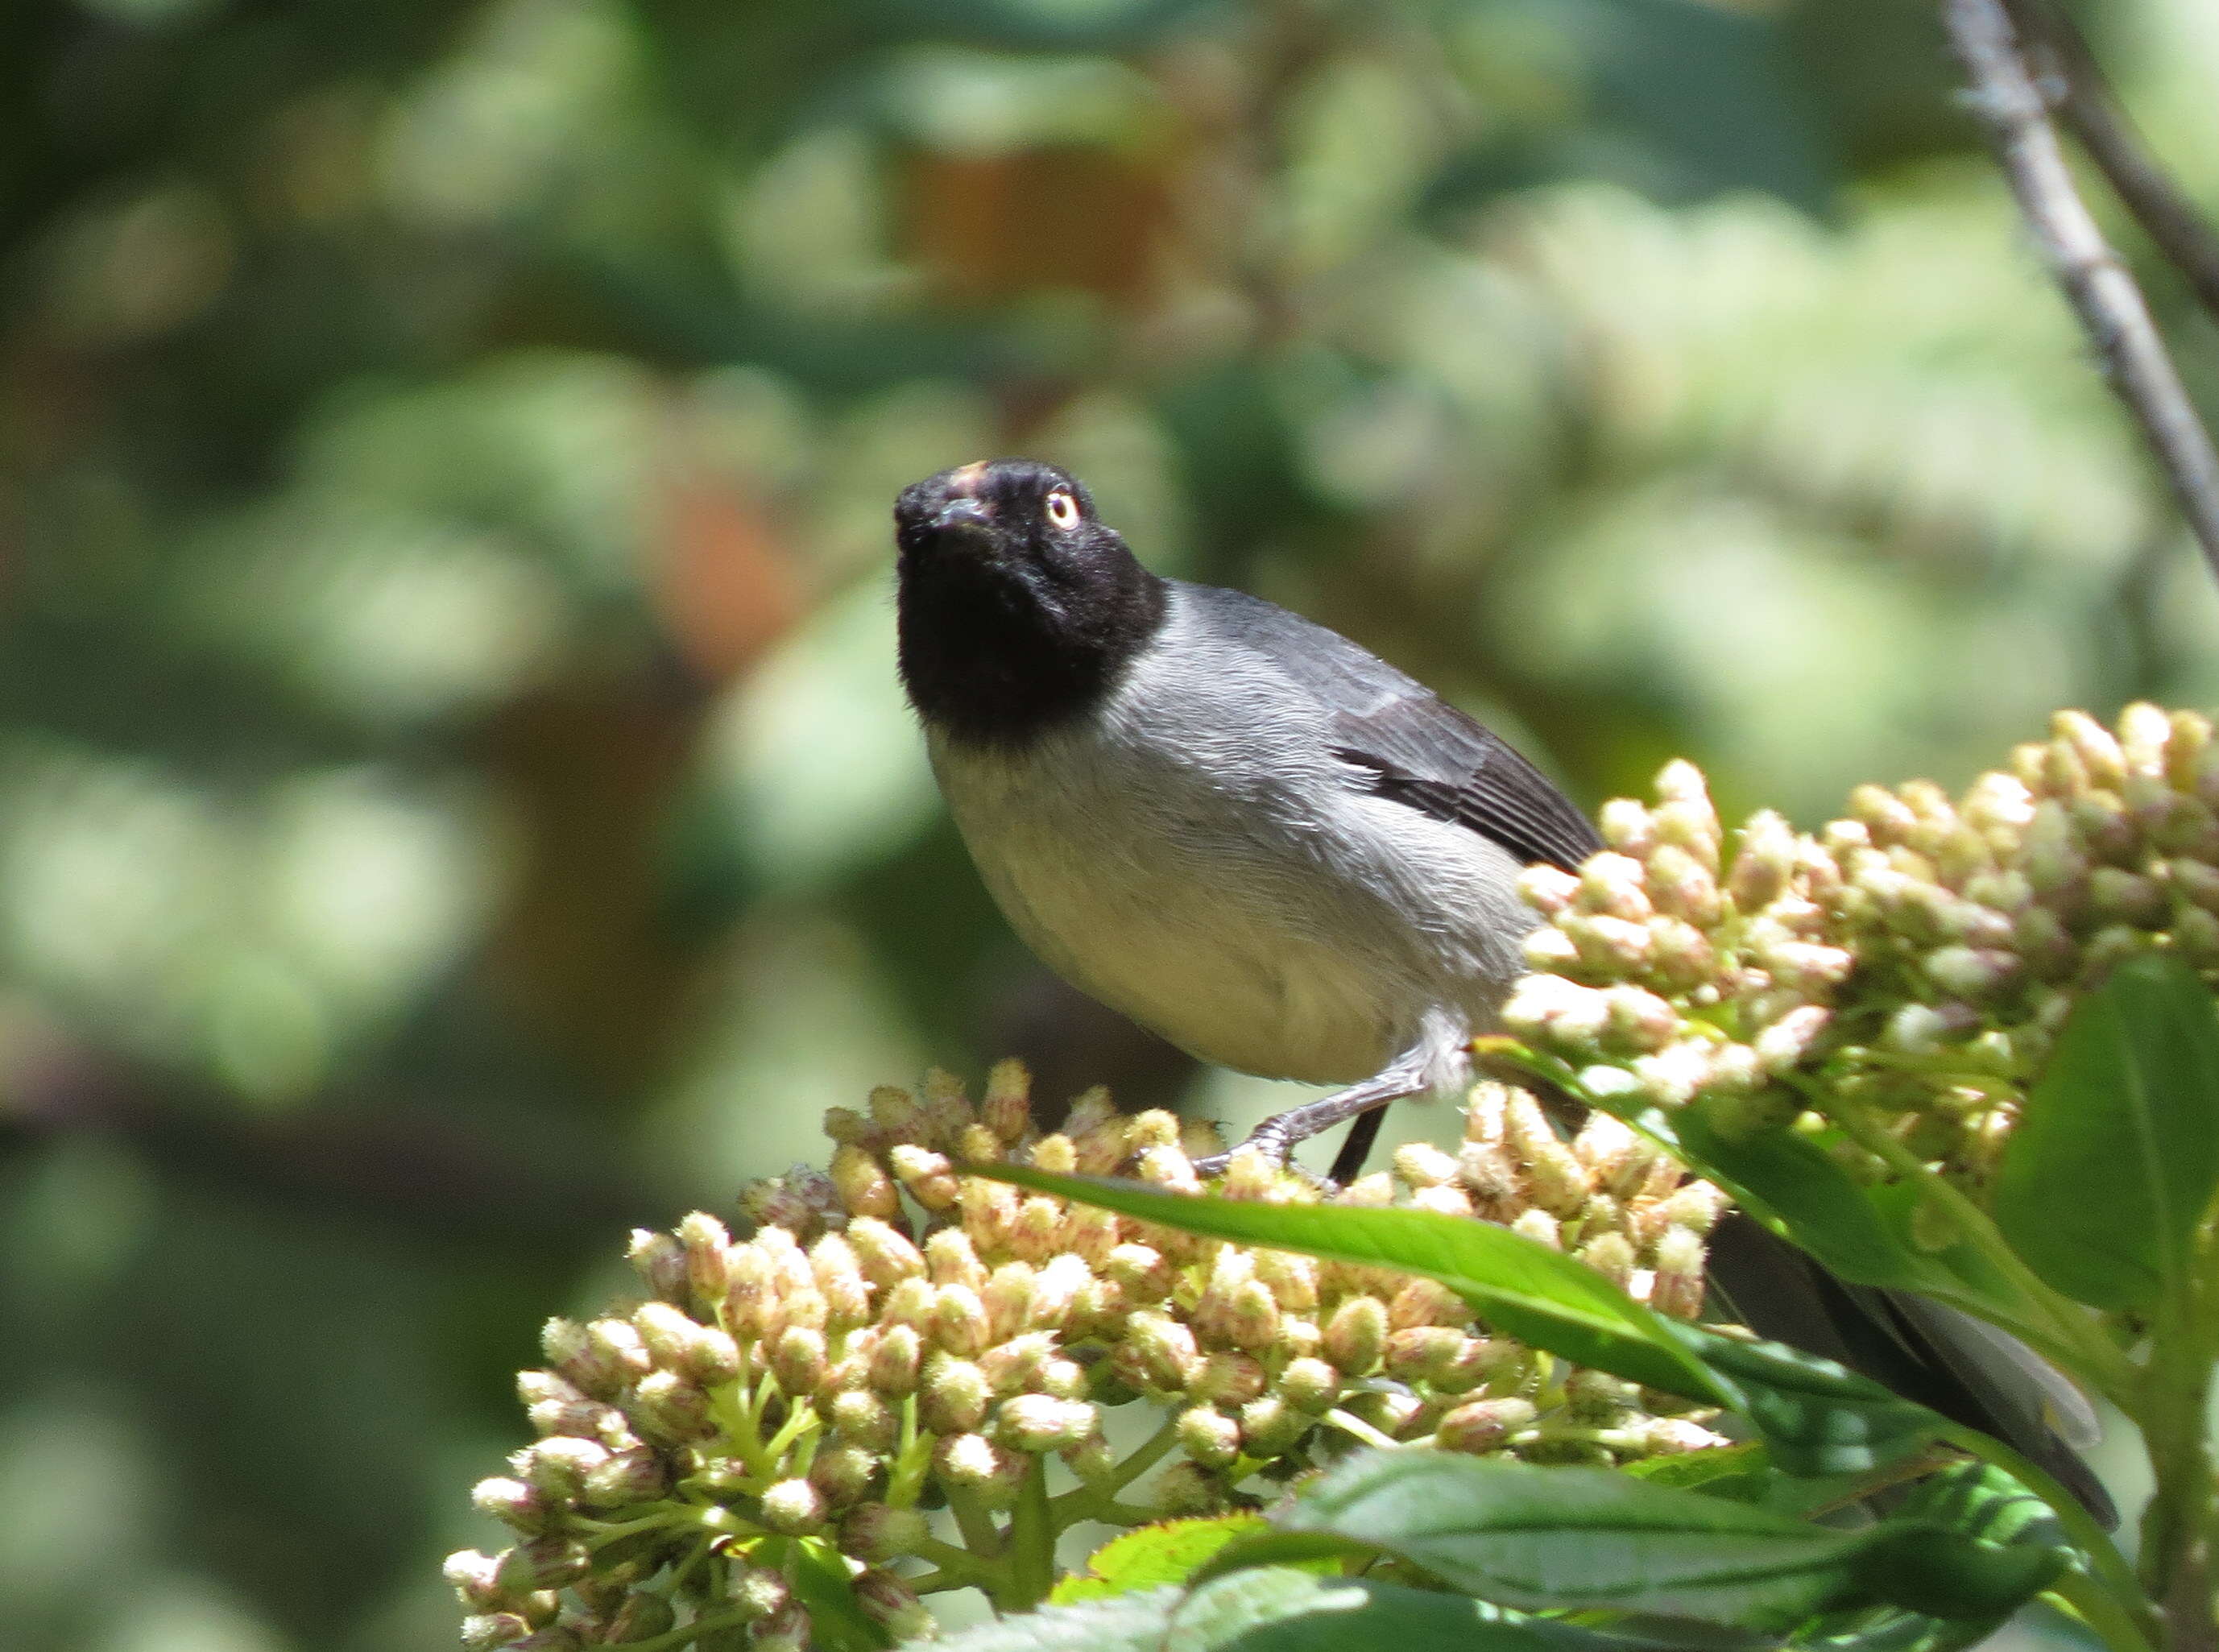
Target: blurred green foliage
column 455, row 800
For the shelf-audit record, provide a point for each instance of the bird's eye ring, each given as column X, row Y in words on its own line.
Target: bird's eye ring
column 1063, row 510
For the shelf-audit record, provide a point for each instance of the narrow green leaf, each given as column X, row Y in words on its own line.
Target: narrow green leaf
column 1172, row 1551
column 2104, row 1181
column 1944, row 1574
column 1524, row 1290
column 1557, row 1538
column 1278, row 1609
column 1816, row 1418
column 1792, row 1186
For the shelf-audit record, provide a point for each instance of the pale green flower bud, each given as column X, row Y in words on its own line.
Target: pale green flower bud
column 541, row 1564
column 895, row 1360
column 893, row 1603
column 1782, row 1045
column 1291, row 1279
column 1548, row 1009
column 1443, row 1201
column 557, row 1467
column 1310, row 1385
column 1092, row 1459
column 1055, row 1288
column 514, row 1503
column 474, row 1576
column 931, row 1179
column 1682, row 884
column 952, row 1260
column 2126, row 896
column 2050, row 852
column 1209, row 1436
column 913, row 1302
column 1484, row 1424
column 2195, row 932
column 799, row 1360
column 960, row 1321
column 1697, row 1206
column 670, row 1408
column 2184, row 753
column 571, row 1349
column 1611, row 886
column 966, row 1461
column 1607, row 946
column 864, row 1186
column 1610, row 1255
column 1540, row 1227
column 660, row 1261
column 1970, row 972
column 1550, row 951
column 628, row 1477
column 1186, row 1488
column 1039, row 1229
column 863, row 1417
column 845, row 1473
column 787, row 1630
column 955, row 1396
column 1016, row 1365
column 990, row 1213
column 1548, row 890
column 1169, row 1168
column 1639, row 1020
column 1055, row 1154
column 1356, row 1335
column 1415, row 1354
column 879, row 1533
column 489, row 1631
column 2099, row 754
column 1228, row 1378
column 1625, row 826
column 794, row 1507
column 760, row 1592
column 1039, row 1423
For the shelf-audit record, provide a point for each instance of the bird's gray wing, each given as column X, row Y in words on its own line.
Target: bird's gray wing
column 1421, row 751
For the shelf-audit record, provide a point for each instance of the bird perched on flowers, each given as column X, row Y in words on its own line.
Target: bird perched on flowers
column 1235, row 827
column 1259, row 839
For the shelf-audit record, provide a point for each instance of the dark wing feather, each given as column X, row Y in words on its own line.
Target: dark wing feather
column 1424, row 753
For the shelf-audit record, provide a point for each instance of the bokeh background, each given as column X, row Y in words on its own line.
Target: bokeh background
column 454, row 799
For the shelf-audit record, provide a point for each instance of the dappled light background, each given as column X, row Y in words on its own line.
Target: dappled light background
column 454, row 799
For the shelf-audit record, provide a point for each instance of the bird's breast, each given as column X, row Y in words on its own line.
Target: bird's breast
column 1226, row 889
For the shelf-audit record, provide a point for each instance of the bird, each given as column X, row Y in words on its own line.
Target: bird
column 1233, row 826
column 1269, row 846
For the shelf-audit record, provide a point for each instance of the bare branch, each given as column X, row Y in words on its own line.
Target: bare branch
column 2101, row 290
column 2068, row 73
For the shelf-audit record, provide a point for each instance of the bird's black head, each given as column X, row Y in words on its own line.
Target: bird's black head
column 1019, row 608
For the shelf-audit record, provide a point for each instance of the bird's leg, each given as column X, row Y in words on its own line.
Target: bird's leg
column 1281, row 1133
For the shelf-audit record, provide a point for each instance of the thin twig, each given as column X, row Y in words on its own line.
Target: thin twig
column 2068, row 74
column 2103, row 293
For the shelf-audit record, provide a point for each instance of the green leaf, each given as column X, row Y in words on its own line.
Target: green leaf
column 1816, row 1418
column 1560, row 1539
column 1524, row 1290
column 1172, row 1551
column 2111, row 1169
column 1278, row 1609
column 1702, row 1470
column 820, row 1580
column 1791, row 1184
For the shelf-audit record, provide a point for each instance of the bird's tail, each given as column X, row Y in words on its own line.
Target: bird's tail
column 1963, row 1368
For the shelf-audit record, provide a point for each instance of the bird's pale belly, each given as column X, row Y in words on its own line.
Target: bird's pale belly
column 1191, row 966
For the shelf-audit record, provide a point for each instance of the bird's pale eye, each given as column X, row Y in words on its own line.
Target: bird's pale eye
column 1063, row 510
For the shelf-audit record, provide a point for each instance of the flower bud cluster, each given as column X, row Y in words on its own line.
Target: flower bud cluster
column 899, row 1337
column 1919, row 954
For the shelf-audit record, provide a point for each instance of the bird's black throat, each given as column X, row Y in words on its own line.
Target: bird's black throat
column 997, row 652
